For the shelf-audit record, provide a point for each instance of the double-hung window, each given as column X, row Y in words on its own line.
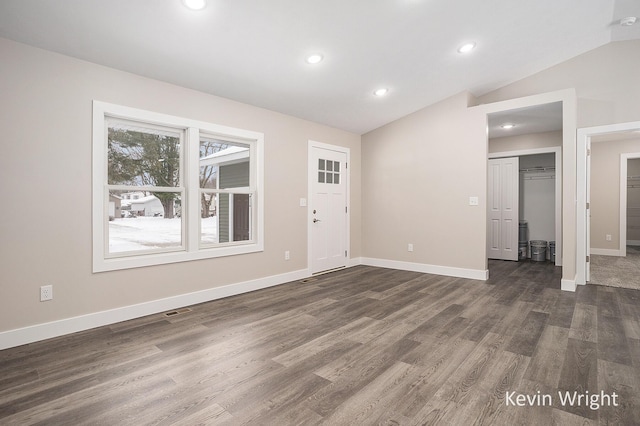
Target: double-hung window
column 170, row 189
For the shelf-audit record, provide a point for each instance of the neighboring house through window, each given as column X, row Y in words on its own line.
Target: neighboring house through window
column 169, row 189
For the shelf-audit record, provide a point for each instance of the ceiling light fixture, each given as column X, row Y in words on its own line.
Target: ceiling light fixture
column 195, row 4
column 508, row 126
column 466, row 48
column 628, row 21
column 381, row 92
column 316, row 58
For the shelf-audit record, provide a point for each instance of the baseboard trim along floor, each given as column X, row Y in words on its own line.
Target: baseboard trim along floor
column 21, row 336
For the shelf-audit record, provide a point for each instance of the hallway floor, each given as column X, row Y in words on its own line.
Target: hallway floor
column 615, row 271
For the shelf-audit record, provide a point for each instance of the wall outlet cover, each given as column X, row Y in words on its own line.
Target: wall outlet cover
column 46, row 293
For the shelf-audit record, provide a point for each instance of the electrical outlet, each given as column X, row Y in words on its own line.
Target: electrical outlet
column 46, row 293
column 608, row 236
column 410, row 247
column 287, row 255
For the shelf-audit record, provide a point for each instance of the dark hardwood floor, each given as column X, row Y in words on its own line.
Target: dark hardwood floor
column 360, row 346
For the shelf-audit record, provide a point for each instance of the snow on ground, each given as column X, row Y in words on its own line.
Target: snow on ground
column 145, row 233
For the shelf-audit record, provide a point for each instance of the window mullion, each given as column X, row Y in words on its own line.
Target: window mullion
column 192, row 173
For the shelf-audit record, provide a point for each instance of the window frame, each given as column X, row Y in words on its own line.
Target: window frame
column 190, row 186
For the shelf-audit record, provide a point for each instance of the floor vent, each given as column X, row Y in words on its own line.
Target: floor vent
column 308, row 280
column 177, row 312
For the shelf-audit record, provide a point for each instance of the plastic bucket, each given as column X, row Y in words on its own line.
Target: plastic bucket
column 522, row 250
column 538, row 250
column 552, row 251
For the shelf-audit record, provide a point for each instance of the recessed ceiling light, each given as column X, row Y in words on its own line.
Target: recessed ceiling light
column 466, row 48
column 315, row 58
column 195, row 4
column 381, row 92
column 508, row 126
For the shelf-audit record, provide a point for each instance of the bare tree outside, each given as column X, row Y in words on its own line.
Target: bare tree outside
column 208, row 173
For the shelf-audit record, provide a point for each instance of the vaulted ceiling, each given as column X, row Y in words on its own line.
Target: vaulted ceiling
column 254, row 51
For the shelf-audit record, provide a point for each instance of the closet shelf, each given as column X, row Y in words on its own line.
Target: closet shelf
column 538, row 169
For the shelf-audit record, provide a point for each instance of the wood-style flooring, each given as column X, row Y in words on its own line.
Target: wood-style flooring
column 362, row 346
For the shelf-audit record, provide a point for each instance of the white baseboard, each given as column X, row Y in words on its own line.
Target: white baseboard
column 474, row 274
column 605, row 252
column 354, row 262
column 22, row 336
column 34, row 333
column 568, row 285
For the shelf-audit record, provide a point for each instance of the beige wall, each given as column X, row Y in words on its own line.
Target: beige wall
column 521, row 142
column 606, row 80
column 45, row 117
column 605, row 191
column 418, row 175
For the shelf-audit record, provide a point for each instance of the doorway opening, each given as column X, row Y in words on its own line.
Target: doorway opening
column 565, row 237
column 328, row 207
column 608, row 214
column 532, row 138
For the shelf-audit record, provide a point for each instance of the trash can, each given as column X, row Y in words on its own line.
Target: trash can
column 538, row 250
column 523, row 230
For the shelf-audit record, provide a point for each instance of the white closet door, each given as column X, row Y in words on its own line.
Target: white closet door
column 502, row 215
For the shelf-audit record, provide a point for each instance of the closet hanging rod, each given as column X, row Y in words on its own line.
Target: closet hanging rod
column 538, row 177
column 538, row 169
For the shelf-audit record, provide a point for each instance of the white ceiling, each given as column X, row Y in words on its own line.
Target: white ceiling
column 253, row 51
column 535, row 119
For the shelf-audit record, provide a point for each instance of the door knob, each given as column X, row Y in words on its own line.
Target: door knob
column 316, row 220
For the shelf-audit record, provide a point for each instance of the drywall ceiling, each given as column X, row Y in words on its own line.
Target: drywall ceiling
column 253, row 51
column 534, row 119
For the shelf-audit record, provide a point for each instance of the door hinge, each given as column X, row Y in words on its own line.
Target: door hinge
column 345, row 209
column 587, row 206
column 345, row 253
column 346, row 165
column 588, row 152
column 587, row 259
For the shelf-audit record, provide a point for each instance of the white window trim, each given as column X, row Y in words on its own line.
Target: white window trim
column 191, row 229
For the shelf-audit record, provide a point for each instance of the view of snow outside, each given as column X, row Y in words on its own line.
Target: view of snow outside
column 146, row 233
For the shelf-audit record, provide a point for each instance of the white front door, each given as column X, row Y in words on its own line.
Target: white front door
column 327, row 208
column 502, row 205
